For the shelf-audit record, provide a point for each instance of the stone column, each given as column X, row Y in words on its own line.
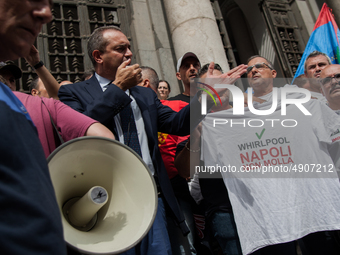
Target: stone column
column 151, row 41
column 335, row 6
column 193, row 28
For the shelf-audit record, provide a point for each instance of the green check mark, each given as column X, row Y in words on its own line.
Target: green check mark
column 259, row 136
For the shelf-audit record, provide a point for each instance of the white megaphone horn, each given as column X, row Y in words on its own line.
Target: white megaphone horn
column 106, row 195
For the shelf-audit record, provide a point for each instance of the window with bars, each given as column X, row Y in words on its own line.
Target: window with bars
column 285, row 34
column 62, row 43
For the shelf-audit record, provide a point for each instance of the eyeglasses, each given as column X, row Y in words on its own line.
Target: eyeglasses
column 327, row 80
column 258, row 66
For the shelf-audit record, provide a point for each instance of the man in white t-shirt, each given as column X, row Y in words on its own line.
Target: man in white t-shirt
column 271, row 213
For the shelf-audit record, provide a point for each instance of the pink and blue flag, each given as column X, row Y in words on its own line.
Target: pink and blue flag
column 324, row 38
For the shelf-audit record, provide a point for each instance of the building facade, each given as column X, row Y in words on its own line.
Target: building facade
column 227, row 32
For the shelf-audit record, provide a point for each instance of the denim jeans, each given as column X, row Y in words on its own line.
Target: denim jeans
column 182, row 245
column 157, row 241
column 223, row 229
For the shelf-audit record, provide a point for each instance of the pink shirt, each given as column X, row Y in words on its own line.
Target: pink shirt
column 70, row 123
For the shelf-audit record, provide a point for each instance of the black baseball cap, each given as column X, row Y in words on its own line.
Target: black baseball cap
column 15, row 70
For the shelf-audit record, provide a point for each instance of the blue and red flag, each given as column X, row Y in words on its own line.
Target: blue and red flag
column 324, row 38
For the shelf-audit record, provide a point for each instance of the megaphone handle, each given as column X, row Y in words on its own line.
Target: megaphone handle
column 82, row 211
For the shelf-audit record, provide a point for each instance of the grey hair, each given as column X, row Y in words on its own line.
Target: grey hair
column 315, row 54
column 97, row 41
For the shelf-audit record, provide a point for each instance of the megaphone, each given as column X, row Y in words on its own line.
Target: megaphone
column 82, row 170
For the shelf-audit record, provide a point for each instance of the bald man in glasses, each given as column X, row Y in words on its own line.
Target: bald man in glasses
column 330, row 86
column 260, row 74
column 264, row 207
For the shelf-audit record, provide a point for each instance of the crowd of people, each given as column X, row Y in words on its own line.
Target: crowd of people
column 127, row 102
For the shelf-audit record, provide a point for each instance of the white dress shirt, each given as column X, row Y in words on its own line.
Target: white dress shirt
column 142, row 137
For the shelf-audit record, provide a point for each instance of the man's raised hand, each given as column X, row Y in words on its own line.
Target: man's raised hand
column 33, row 58
column 229, row 77
column 128, row 76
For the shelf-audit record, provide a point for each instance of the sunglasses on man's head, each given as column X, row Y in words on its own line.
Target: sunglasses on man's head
column 327, row 80
column 258, row 66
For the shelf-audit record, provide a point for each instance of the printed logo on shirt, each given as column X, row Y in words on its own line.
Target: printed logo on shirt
column 335, row 136
column 161, row 138
column 335, row 132
column 270, row 151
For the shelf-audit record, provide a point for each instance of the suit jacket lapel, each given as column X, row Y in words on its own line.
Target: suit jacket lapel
column 93, row 87
column 95, row 90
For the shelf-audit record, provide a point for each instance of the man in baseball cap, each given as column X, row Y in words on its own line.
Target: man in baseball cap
column 187, row 69
column 10, row 72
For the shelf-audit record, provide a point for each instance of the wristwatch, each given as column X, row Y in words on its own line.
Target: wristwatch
column 38, row 65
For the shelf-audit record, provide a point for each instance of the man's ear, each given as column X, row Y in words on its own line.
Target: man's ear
column 178, row 75
column 96, row 54
column 34, row 92
column 274, row 73
column 146, row 83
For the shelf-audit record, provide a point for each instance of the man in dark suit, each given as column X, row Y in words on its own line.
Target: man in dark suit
column 111, row 91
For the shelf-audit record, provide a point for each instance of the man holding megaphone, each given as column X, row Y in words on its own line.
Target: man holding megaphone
column 135, row 115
